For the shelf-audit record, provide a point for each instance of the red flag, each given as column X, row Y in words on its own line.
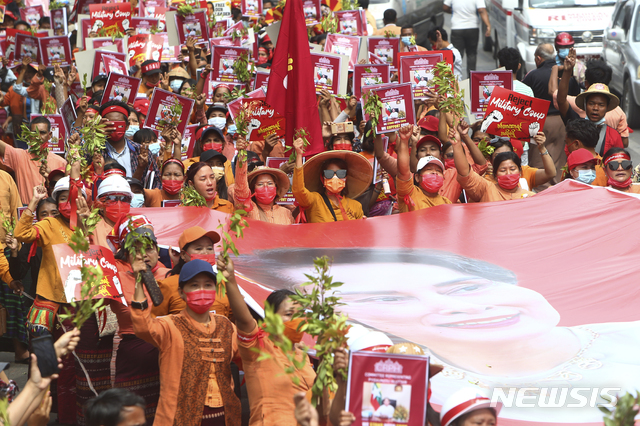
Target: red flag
column 291, row 91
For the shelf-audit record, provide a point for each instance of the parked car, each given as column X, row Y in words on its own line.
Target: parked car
column 424, row 15
column 621, row 50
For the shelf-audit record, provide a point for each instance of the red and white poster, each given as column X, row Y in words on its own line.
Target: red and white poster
column 144, row 47
column 193, row 25
column 261, row 80
column 251, row 7
column 27, row 45
column 168, row 109
column 100, row 42
column 144, row 25
column 368, row 75
column 419, row 71
column 114, row 65
column 312, row 11
column 55, row 51
column 326, row 72
column 189, row 141
column 110, row 18
column 58, row 132
column 350, row 22
column 32, row 15
column 343, row 45
column 481, row 86
column 169, row 53
column 99, row 64
column 225, row 41
column 397, row 106
column 222, row 61
column 159, row 13
column 68, row 113
column 9, row 45
column 235, row 105
column 385, row 48
column 59, row 21
column 275, row 163
column 263, row 120
column 145, row 5
column 69, row 264
column 376, row 60
column 121, row 88
column 513, row 115
column 389, row 389
column 85, row 30
column 219, row 28
column 211, row 85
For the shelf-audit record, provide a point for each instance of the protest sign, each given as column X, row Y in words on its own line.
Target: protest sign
column 350, row 22
column 192, row 25
column 225, row 41
column 261, row 80
column 69, row 263
column 482, row 84
column 312, row 11
column 369, row 74
column 159, row 13
column 389, row 389
column 9, row 46
column 263, row 120
column 168, row 109
column 32, row 15
column 144, row 25
column 384, row 48
column 101, row 42
column 251, row 7
column 344, row 45
column 220, row 27
column 110, row 19
column 397, row 106
column 114, row 65
column 418, row 70
column 188, row 141
column 222, row 9
column 512, row 115
column 144, row 47
column 59, row 21
column 222, row 62
column 58, row 132
column 275, row 163
column 120, row 88
column 235, row 105
column 98, row 63
column 55, row 51
column 326, row 72
column 68, row 113
column 27, row 45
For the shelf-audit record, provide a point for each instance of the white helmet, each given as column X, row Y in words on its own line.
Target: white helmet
column 114, row 184
column 63, row 185
column 465, row 401
column 374, row 341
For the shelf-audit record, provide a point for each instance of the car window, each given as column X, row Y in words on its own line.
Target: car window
column 617, row 22
column 628, row 14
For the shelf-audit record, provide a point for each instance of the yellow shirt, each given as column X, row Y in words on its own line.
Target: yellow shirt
column 481, row 190
column 9, row 201
column 420, row 199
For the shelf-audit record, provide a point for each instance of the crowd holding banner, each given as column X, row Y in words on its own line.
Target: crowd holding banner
column 143, row 141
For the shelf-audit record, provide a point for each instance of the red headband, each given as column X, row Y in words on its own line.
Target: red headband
column 116, row 108
column 114, row 171
column 173, row 160
column 616, row 156
column 90, row 108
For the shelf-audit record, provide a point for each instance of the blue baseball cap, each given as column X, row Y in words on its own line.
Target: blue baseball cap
column 193, row 268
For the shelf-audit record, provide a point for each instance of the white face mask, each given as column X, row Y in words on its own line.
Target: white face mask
column 219, row 122
column 137, row 201
column 176, row 85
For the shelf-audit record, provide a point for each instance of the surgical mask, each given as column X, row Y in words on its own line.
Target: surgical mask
column 232, row 129
column 176, row 85
column 171, row 186
column 597, row 123
column 218, row 172
column 432, row 183
column 212, row 146
column 406, row 40
column 265, row 194
column 586, row 176
column 335, row 185
column 114, row 210
column 154, row 148
column 200, row 301
column 137, row 201
column 509, row 181
column 65, row 209
column 563, row 53
column 209, row 258
column 219, row 122
column 131, row 131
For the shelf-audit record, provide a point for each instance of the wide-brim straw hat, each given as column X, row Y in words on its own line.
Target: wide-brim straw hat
column 359, row 171
column 601, row 89
column 281, row 178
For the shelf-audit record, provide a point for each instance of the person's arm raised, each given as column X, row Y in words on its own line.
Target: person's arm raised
column 244, row 320
column 563, row 88
column 476, row 154
column 404, row 172
column 459, row 156
column 549, row 172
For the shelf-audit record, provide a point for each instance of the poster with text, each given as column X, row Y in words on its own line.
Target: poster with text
column 235, row 105
column 9, row 45
column 326, row 72
column 85, row 31
column 263, row 120
column 169, row 53
column 55, row 51
column 188, row 141
column 32, row 15
column 397, row 107
column 68, row 113
column 219, row 28
column 27, row 45
column 221, row 9
column 385, row 48
column 275, row 163
column 192, row 25
column 144, row 25
column 350, row 22
column 98, row 63
column 368, row 75
column 343, row 45
column 58, row 132
column 312, row 11
column 99, row 42
column 69, row 263
column 159, row 13
column 225, row 41
column 419, row 71
column 222, row 61
column 512, row 115
column 59, row 21
column 251, row 7
column 122, row 88
column 376, row 60
column 261, row 80
column 114, row 65
column 389, row 389
column 144, row 47
column 167, row 108
column 481, row 86
column 110, row 18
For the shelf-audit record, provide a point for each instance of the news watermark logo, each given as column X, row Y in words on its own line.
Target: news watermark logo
column 555, row 397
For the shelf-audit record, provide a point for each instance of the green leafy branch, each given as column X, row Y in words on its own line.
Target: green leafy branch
column 55, row 4
column 49, row 105
column 8, row 223
column 484, row 147
column 185, row 9
column 237, row 92
column 35, row 145
column 244, row 68
column 625, row 412
column 318, row 308
column 373, row 108
column 299, row 133
column 175, row 112
column 92, row 276
column 329, row 23
column 84, row 84
column 95, row 139
column 350, row 4
column 237, row 224
column 190, row 197
column 447, row 87
column 114, row 33
column 4, row 411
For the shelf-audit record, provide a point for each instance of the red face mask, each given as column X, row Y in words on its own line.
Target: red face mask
column 431, row 183
column 171, row 186
column 342, row 146
column 113, row 211
column 212, row 145
column 200, row 301
column 262, row 60
column 118, row 133
column 265, row 194
column 449, row 163
column 209, row 258
column 65, row 209
column 291, row 330
column 566, row 151
column 611, row 182
column 152, row 85
column 509, row 181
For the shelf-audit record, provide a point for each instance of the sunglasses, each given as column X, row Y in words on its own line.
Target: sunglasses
column 329, row 174
column 114, row 198
column 613, row 165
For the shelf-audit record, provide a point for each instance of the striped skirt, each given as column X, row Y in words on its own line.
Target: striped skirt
column 16, row 312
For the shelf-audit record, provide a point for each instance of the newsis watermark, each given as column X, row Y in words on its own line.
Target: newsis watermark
column 555, row 397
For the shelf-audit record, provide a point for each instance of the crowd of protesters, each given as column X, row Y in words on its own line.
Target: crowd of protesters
column 181, row 362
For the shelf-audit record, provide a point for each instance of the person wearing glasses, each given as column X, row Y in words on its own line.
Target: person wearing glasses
column 326, row 187
column 114, row 201
column 618, row 168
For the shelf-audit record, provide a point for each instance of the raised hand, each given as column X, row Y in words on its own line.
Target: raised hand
column 191, row 44
column 39, row 193
column 570, row 60
column 298, row 145
column 164, row 81
column 406, row 131
column 58, row 75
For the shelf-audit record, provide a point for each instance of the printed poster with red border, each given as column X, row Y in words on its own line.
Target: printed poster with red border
column 481, row 86
column 221, row 26
column 251, row 7
column 193, row 25
column 225, row 41
column 68, row 113
column 114, row 65
column 418, row 70
column 159, row 13
column 27, row 45
column 145, row 46
column 326, row 72
column 189, row 141
column 235, row 105
column 98, row 63
column 110, row 17
column 32, row 15
column 144, row 25
column 55, row 51
column 343, row 45
column 512, row 115
column 368, row 75
column 100, row 42
column 263, row 120
column 312, row 12
column 350, row 22
column 222, row 60
column 375, row 377
column 261, row 80
column 59, row 21
column 385, row 48
column 121, row 88
column 10, row 43
column 397, row 107
column 160, row 109
column 58, row 132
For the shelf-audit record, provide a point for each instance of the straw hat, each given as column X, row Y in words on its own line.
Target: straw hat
column 597, row 88
column 281, row 178
column 359, row 171
column 408, row 348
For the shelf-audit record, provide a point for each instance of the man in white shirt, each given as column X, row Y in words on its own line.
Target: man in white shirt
column 465, row 25
column 386, row 410
column 510, row 59
column 439, row 41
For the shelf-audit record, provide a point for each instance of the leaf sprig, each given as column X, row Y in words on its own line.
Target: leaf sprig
column 299, row 133
column 350, row 4
column 190, row 197
column 329, row 23
column 39, row 149
column 237, row 92
column 484, row 147
column 8, row 223
column 95, row 139
column 447, row 86
column 237, row 224
column 244, row 68
column 625, row 412
column 372, row 107
column 175, row 112
column 185, row 9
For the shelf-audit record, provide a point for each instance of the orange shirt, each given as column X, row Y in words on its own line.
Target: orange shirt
column 222, row 205
column 634, row 188
column 270, row 391
column 103, row 229
column 220, row 306
column 15, row 102
column 4, row 270
column 258, row 148
column 9, row 201
column 28, row 172
column 228, row 172
column 155, row 197
column 52, row 231
column 480, row 190
column 420, row 199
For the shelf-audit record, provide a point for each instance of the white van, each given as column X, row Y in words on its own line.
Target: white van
column 423, row 15
column 524, row 24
